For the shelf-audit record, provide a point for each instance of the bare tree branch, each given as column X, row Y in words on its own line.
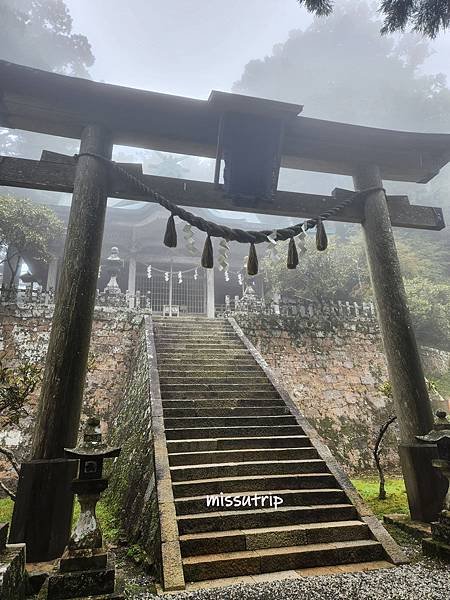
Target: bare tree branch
column 7, row 491
column 11, row 458
column 376, row 455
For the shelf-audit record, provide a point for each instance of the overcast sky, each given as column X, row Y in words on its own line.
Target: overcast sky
column 189, row 47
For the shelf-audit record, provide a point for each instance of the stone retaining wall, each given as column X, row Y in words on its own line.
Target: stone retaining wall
column 24, row 334
column 132, row 488
column 333, row 368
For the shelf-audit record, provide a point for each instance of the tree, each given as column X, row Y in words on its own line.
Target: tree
column 430, row 308
column 339, row 273
column 341, row 69
column 26, row 230
column 38, row 33
column 16, row 386
column 425, row 16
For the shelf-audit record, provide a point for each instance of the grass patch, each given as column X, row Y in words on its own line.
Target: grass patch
column 107, row 521
column 396, row 499
column 443, row 385
column 6, row 509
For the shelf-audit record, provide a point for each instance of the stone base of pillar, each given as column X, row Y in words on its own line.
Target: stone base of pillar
column 42, row 515
column 425, row 486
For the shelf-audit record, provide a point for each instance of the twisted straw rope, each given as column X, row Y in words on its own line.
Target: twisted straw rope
column 215, row 230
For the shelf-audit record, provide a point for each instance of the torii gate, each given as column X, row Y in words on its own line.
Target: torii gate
column 101, row 115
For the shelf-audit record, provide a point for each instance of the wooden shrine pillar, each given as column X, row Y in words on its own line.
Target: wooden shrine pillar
column 43, row 510
column 424, row 485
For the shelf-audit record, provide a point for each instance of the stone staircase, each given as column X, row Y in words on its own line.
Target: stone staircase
column 229, row 432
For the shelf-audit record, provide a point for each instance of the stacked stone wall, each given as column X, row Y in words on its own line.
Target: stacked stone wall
column 334, row 368
column 24, row 335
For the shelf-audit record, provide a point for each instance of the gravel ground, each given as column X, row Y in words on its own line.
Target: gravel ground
column 422, row 579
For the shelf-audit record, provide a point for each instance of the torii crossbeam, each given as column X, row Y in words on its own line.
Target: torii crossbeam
column 101, row 115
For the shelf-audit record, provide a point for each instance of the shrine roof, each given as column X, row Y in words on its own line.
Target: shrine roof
column 44, row 102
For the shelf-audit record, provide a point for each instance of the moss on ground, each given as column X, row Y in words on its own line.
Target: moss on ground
column 6, row 508
column 396, row 499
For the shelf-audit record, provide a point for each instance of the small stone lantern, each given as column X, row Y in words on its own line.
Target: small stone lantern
column 86, row 568
column 113, row 265
column 439, row 544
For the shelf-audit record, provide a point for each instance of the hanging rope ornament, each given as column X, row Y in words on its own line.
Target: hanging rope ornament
column 292, row 256
column 252, row 262
column 149, row 272
column 170, row 237
column 321, row 236
column 227, row 233
column 208, row 255
column 195, row 274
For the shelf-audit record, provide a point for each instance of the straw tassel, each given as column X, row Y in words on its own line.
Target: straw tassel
column 252, row 262
column 170, row 237
column 321, row 236
column 292, row 257
column 208, row 256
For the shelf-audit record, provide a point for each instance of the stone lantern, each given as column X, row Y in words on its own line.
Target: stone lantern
column 113, row 265
column 86, row 568
column 439, row 544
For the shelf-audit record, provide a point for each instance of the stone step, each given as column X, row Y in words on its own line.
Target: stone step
column 208, row 379
column 264, row 517
column 221, row 361
column 198, row 346
column 253, row 483
column 177, row 337
column 178, row 364
column 269, row 560
column 195, row 354
column 226, row 403
column 218, row 444
column 219, row 394
column 190, row 371
column 199, row 504
column 245, row 455
column 247, row 411
column 238, row 540
column 193, row 433
column 219, row 387
column 243, row 469
column 206, row 422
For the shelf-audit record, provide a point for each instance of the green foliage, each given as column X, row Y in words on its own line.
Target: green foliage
column 28, row 228
column 396, row 499
column 16, row 386
column 340, row 68
column 339, row 273
column 430, row 307
column 423, row 16
column 38, row 33
column 6, row 510
column 442, row 385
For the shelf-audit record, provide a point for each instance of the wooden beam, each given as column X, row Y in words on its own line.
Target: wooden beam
column 58, row 174
column 54, row 104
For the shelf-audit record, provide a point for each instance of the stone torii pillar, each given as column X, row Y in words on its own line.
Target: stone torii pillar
column 424, row 486
column 43, row 510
